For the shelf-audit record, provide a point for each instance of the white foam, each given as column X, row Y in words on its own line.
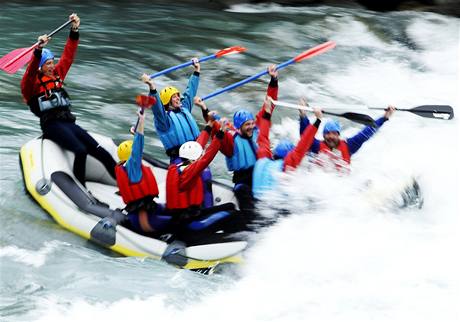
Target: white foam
column 346, row 259
column 35, row 258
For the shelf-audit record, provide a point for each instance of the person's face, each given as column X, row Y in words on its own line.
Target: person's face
column 247, row 129
column 175, row 101
column 48, row 67
column 332, row 139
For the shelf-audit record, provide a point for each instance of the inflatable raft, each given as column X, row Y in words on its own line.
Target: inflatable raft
column 93, row 212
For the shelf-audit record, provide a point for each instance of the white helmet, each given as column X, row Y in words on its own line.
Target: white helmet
column 190, row 150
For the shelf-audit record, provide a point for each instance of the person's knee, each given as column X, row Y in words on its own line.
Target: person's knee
column 80, row 150
column 242, row 189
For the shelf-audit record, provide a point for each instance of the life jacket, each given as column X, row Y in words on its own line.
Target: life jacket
column 244, row 153
column 265, row 175
column 132, row 192
column 183, row 129
column 51, row 96
column 339, row 157
column 182, row 199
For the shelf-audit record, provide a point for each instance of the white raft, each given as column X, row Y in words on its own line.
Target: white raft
column 48, row 177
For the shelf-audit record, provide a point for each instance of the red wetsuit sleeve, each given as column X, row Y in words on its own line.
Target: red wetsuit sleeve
column 227, row 144
column 203, row 138
column 293, row 158
column 263, row 140
column 68, row 55
column 30, row 76
column 193, row 170
column 272, row 91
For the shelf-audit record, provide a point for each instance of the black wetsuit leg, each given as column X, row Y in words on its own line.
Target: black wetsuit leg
column 232, row 223
column 95, row 150
column 72, row 137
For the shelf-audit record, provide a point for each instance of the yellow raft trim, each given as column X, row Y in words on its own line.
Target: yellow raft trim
column 28, row 166
column 197, row 264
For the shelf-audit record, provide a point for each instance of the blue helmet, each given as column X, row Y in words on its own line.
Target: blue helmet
column 331, row 126
column 241, row 117
column 282, row 149
column 46, row 55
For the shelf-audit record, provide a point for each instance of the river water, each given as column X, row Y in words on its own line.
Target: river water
column 351, row 257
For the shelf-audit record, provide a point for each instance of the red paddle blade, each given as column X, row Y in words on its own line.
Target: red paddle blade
column 315, row 51
column 230, row 50
column 15, row 60
column 145, row 101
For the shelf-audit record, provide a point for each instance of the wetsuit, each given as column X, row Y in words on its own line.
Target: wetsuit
column 185, row 195
column 241, row 157
column 48, row 100
column 347, row 147
column 175, row 127
column 266, row 167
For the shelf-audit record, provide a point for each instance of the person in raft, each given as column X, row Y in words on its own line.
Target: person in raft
column 174, row 122
column 185, row 191
column 138, row 187
column 42, row 88
column 240, row 145
column 285, row 157
column 334, row 152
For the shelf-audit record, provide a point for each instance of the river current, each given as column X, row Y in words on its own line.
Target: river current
column 350, row 257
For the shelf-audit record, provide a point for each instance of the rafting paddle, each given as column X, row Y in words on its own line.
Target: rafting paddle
column 220, row 53
column 144, row 102
column 445, row 112
column 355, row 117
column 16, row 59
column 306, row 54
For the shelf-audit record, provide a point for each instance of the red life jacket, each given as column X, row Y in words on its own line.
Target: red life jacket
column 131, row 192
column 337, row 159
column 48, row 84
column 182, row 199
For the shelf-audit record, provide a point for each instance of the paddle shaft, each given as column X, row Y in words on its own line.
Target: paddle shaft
column 355, row 117
column 134, row 128
column 220, row 53
column 38, row 42
column 307, row 54
column 429, row 111
column 189, row 63
column 247, row 80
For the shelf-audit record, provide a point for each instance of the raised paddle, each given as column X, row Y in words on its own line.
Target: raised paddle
column 445, row 112
column 15, row 60
column 306, row 54
column 355, row 117
column 220, row 53
column 144, row 102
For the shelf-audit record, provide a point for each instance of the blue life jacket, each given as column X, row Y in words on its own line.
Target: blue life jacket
column 244, row 153
column 183, row 129
column 264, row 175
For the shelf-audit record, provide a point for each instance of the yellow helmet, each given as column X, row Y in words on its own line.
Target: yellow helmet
column 166, row 94
column 124, row 150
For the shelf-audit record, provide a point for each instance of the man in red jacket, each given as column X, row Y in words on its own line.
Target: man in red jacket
column 42, row 88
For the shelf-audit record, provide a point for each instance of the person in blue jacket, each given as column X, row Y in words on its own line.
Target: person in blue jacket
column 335, row 151
column 173, row 119
column 174, row 122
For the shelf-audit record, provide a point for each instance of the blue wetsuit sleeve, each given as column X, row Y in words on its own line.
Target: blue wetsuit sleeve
column 160, row 116
column 356, row 141
column 304, row 123
column 190, row 91
column 133, row 165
